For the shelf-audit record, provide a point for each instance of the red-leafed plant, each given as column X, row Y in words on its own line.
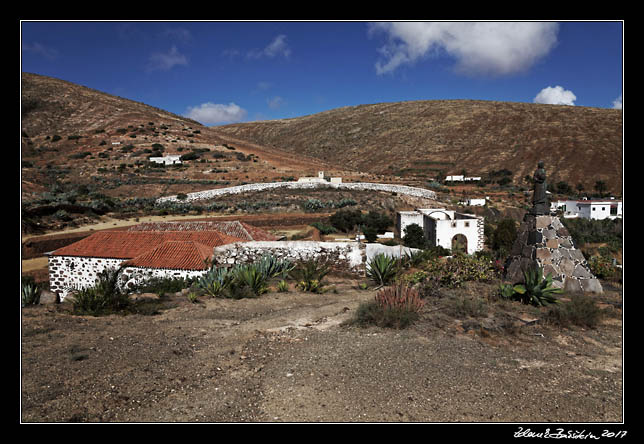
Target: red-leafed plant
column 394, row 307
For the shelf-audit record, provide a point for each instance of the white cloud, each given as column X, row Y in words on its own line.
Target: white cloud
column 275, row 102
column 617, row 103
column 277, row 47
column 490, row 48
column 166, row 61
column 38, row 48
column 216, row 114
column 555, row 96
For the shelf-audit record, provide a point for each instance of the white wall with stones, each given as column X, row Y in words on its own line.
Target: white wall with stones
column 68, row 273
column 209, row 194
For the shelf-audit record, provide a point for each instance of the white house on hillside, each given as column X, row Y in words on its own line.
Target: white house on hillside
column 167, row 160
column 589, row 209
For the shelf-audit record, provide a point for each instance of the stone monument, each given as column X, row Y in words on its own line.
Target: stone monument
column 543, row 241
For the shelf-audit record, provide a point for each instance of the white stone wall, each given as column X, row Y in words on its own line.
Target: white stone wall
column 349, row 256
column 346, row 255
column 209, row 194
column 133, row 276
column 406, row 218
column 67, row 273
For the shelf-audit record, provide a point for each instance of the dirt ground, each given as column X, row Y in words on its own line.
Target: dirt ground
column 289, row 357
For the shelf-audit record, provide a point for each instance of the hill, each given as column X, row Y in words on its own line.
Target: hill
column 423, row 139
column 76, row 135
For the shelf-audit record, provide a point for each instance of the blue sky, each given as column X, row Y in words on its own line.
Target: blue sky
column 225, row 72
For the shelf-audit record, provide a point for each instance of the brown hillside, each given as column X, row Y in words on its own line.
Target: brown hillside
column 424, row 138
column 69, row 132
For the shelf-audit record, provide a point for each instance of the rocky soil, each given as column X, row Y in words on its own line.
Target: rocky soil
column 290, row 357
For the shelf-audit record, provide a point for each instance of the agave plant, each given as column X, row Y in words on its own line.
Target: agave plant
column 249, row 277
column 309, row 275
column 382, row 268
column 215, row 281
column 271, row 267
column 30, row 294
column 537, row 290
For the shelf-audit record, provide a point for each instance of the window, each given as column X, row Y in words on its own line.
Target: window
column 467, row 224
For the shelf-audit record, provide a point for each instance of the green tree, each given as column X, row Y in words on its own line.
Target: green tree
column 600, row 187
column 504, row 236
column 414, row 237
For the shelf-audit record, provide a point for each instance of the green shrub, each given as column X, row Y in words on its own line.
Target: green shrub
column 346, row 220
column 593, row 231
column 463, row 306
column 312, row 205
column 582, row 310
column 104, row 298
column 453, row 272
column 414, row 237
column 323, row 228
column 161, row 286
column 504, row 235
column 370, row 233
column 602, row 267
column 382, row 269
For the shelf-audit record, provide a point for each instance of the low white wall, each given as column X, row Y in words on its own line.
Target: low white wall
column 209, row 194
column 349, row 256
column 68, row 273
column 346, row 255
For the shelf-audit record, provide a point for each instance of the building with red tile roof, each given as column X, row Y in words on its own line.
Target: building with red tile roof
column 141, row 254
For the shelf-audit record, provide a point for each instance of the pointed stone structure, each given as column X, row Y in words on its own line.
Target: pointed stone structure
column 543, row 241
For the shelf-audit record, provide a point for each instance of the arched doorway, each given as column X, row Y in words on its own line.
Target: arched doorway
column 459, row 244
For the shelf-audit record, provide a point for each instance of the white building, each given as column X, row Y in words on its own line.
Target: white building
column 589, row 209
column 446, row 228
column 143, row 254
column 474, row 202
column 167, row 160
column 461, row 178
column 319, row 179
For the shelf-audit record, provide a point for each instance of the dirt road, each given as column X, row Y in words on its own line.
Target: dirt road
column 288, row 357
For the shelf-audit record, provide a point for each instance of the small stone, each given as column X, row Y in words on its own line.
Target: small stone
column 572, row 285
column 592, row 286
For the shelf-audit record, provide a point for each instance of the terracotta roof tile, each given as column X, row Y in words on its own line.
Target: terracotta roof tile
column 181, row 255
column 129, row 244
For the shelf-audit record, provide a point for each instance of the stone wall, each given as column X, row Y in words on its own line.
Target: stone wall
column 134, row 276
column 209, row 194
column 67, row 273
column 345, row 256
column 348, row 256
column 544, row 241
